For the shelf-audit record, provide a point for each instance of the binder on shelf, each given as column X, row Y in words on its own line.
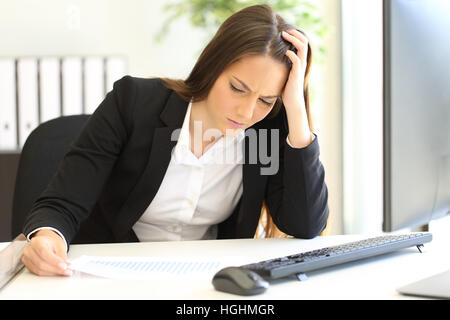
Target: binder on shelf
column 93, row 83
column 27, row 87
column 8, row 124
column 34, row 90
column 72, row 89
column 49, row 86
column 115, row 69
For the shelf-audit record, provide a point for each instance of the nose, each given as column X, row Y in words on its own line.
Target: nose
column 245, row 111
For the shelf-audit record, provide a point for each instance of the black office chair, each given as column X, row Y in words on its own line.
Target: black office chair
column 43, row 150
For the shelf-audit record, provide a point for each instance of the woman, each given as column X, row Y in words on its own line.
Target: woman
column 148, row 165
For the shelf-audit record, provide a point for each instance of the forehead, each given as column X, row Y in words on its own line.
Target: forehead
column 262, row 74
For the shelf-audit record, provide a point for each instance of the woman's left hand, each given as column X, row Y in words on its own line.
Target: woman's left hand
column 293, row 98
column 292, row 94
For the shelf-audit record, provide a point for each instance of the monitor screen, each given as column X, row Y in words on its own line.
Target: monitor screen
column 416, row 112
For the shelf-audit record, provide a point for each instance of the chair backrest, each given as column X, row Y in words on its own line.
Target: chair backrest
column 41, row 154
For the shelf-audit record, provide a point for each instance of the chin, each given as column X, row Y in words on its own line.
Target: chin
column 231, row 132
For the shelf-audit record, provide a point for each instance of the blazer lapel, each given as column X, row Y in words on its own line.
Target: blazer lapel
column 161, row 150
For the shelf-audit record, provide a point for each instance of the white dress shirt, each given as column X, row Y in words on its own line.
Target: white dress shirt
column 196, row 193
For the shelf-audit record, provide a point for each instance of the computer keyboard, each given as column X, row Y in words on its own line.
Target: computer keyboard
column 325, row 257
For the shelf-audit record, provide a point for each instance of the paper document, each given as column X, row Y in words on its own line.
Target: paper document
column 10, row 259
column 145, row 267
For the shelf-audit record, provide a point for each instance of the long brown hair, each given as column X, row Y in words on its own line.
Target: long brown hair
column 255, row 30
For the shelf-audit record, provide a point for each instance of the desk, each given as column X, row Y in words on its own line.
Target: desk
column 374, row 278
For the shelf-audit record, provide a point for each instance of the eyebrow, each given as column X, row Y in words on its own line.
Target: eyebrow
column 248, row 89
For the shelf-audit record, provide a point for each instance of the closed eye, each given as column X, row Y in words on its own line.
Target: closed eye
column 239, row 90
column 235, row 89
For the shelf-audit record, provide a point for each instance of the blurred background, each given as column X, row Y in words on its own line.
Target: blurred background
column 164, row 38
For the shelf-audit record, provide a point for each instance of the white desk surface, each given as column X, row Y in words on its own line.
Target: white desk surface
column 374, row 278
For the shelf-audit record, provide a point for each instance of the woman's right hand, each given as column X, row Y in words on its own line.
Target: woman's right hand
column 45, row 254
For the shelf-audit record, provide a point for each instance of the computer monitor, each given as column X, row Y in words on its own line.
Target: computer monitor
column 416, row 112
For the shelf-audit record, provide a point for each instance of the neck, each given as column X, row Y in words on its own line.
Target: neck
column 202, row 133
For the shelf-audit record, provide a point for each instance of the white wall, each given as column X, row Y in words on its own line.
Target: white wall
column 100, row 27
column 362, row 115
column 327, row 109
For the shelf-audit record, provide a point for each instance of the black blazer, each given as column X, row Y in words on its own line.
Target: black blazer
column 113, row 170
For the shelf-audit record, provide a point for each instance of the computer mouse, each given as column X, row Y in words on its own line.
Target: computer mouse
column 239, row 281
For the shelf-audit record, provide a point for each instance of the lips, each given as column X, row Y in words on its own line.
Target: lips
column 235, row 124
